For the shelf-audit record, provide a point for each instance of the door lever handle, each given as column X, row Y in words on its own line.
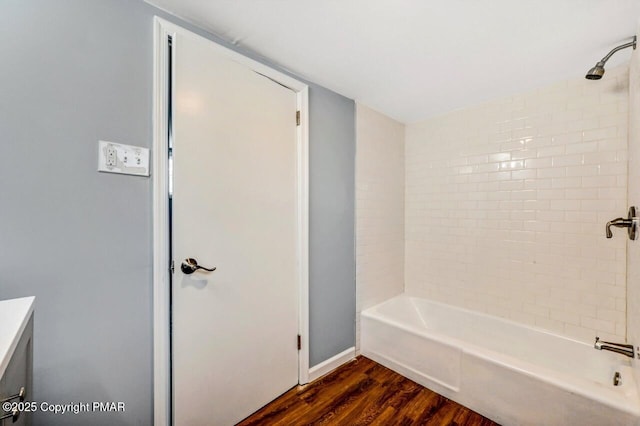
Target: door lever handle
column 190, row 265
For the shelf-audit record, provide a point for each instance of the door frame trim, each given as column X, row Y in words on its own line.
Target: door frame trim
column 164, row 29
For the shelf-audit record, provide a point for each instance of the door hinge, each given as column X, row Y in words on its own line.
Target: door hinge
column 172, row 268
column 297, row 118
column 299, row 342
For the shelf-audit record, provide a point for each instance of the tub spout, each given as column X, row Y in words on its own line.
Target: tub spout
column 620, row 348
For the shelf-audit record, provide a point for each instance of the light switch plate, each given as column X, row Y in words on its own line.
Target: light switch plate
column 124, row 159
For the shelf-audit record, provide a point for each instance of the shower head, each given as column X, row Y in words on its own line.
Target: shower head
column 597, row 71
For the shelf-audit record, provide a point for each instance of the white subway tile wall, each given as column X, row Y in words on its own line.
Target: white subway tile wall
column 379, row 210
column 506, row 205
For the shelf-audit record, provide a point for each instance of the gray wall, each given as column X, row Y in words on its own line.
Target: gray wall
column 73, row 72
column 332, row 290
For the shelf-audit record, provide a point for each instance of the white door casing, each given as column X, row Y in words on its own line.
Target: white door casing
column 240, row 204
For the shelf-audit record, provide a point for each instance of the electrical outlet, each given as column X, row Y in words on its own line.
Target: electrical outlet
column 124, row 159
column 111, row 156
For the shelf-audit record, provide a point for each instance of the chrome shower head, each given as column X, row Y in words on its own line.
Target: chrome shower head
column 597, row 71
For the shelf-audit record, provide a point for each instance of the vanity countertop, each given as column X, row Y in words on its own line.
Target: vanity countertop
column 14, row 316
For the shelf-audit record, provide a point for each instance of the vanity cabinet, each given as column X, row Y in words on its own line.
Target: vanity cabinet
column 16, row 359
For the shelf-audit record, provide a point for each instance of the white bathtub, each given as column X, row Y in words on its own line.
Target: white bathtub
column 508, row 372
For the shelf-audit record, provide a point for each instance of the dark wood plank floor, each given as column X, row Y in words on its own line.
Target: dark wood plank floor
column 364, row 392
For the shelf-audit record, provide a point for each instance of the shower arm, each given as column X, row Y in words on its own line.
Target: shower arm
column 615, row 49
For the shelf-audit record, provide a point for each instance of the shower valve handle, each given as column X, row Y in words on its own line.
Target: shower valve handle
column 631, row 223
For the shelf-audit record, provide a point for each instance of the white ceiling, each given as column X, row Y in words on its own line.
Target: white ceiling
column 413, row 59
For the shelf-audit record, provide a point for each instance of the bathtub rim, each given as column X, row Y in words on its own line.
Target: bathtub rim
column 627, row 400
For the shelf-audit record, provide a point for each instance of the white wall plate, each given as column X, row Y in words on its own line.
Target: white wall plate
column 124, row 159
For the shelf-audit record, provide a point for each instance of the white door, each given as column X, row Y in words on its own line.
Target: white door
column 234, row 208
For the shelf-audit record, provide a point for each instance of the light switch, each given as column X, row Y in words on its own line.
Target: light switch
column 124, row 159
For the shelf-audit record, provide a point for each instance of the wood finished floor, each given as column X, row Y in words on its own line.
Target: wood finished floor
column 364, row 392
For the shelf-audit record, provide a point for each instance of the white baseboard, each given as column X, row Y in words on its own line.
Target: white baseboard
column 331, row 364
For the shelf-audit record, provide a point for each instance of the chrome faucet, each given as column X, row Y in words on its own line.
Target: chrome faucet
column 623, row 349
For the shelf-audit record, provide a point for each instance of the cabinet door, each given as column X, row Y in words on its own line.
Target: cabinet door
column 18, row 375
